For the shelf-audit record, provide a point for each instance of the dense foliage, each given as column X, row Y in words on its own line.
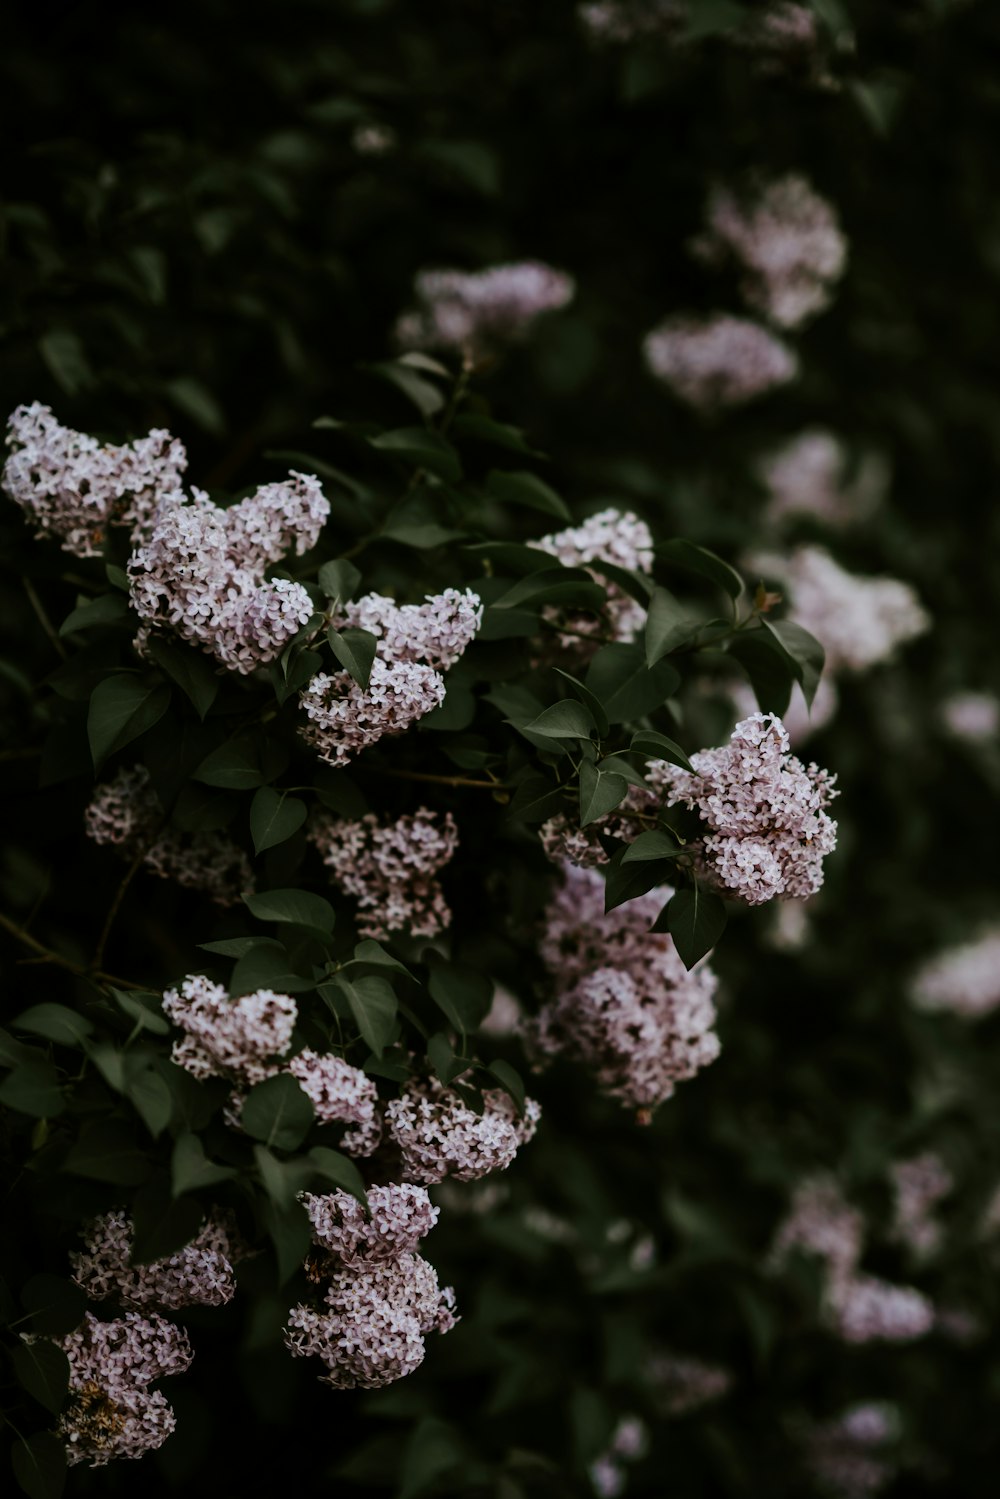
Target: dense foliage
column 309, row 836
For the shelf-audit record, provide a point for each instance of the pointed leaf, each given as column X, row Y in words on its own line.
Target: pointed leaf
column 667, row 626
column 657, row 746
column 39, row 1464
column 804, row 652
column 695, row 919
column 278, row 1112
column 565, row 720
column 191, row 1169
column 652, row 844
column 123, row 707
column 194, row 673
column 274, row 816
column 55, row 1023
column 339, row 579
column 526, row 489
column 298, row 906
column 43, row 1370
column 355, row 650
column 600, row 792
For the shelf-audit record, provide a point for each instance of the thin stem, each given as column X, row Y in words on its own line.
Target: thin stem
column 48, row 955
column 549, row 624
column 43, row 618
column 115, row 906
column 422, row 775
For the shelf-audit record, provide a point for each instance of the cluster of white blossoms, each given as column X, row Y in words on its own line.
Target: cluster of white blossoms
column 125, row 813
column 813, row 475
column 439, row 1135
column 859, row 621
column 768, row 830
column 389, row 868
column 615, row 536
column 200, row 574
column 788, row 242
column 843, row 1454
column 340, row 1094
column 972, row 716
column 918, row 1185
column 682, row 1384
column 381, row 1297
column 74, row 488
column 416, row 643
column 719, row 360
column 629, row 1444
column 964, row 979
column 476, row 312
column 857, row 1308
column 113, row 1412
column 624, row 1005
column 200, row 1274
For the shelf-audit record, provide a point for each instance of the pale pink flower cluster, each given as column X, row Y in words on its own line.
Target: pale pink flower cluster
column 381, row 1297
column 787, row 240
column 682, row 1384
column 615, row 536
column 126, row 814
column 389, row 868
column 813, row 475
column 784, row 40
column 200, row 1274
column 624, row 1005
column 972, row 716
column 200, row 574
column 439, row 1135
column 224, row 1037
column 859, row 621
column 768, row 830
column 416, row 643
column 719, row 360
column 113, row 1412
column 74, row 488
column 476, row 312
column 857, row 1307
column 629, row 1443
column 340, row 1094
column 964, row 979
column 612, row 22
column 918, row 1186
column 843, row 1454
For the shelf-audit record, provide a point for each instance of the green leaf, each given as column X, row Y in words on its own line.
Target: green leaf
column 470, row 161
column 43, row 1370
column 191, row 1169
column 204, row 809
column 274, row 816
column 122, row 708
column 425, row 396
column 194, row 400
column 695, row 920
column 601, row 792
column 193, row 672
column 667, row 626
column 238, row 947
column 164, row 1223
column 142, row 1008
column 565, row 720
column 56, row 1304
column 33, row 1088
column 339, row 579
column 525, row 489
column 298, row 906
column 589, row 698
column 654, row 843
column 55, row 1023
column 106, row 1152
column 658, row 747
column 804, row 652
column 697, row 559
column 536, row 800
column 338, row 1169
column 291, row 1234
column 278, row 1113
column 372, row 1003
column 107, row 609
column 266, row 965
column 423, row 448
column 355, row 650
column 463, row 994
column 510, row 1080
column 626, row 686
column 433, row 1449
column 245, row 761
column 768, row 667
column 148, row 1093
column 557, row 586
column 370, row 951
column 64, row 356
column 510, row 557
column 626, row 881
column 39, row 1464
column 485, row 429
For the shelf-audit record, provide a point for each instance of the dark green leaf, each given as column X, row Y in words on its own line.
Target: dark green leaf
column 242, row 763
column 148, row 1093
column 355, row 650
column 510, row 557
column 804, row 652
column 298, row 906
column 372, row 1003
column 238, row 947
column 106, row 1152
column 485, row 429
column 33, row 1088
column 510, row 1080
column 667, row 626
column 267, row 965
column 423, row 448
column 536, row 800
column 441, row 1055
column 625, row 881
column 39, row 1464
column 55, row 1023
column 291, row 1234
column 122, row 708
column 600, row 792
column 525, row 489
column 339, row 579
column 695, row 920
column 768, row 667
column 565, row 720
column 43, row 1370
column 658, row 747
column 463, row 994
column 697, row 559
column 274, row 816
column 163, row 1222
column 277, row 1112
column 194, row 400
column 370, row 951
column 107, row 609
column 654, row 843
column 338, row 1169
column 589, row 698
column 191, row 1169
column 204, row 809
column 56, row 1304
column 557, row 586
column 144, row 1009
column 194, row 673
column 626, row 686
column 66, row 361
column 427, row 398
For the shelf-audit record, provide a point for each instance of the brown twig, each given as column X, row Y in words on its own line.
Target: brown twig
column 423, row 775
column 43, row 618
column 119, row 896
column 48, row 955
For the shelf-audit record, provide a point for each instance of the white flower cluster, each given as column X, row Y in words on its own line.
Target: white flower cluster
column 439, row 1135
column 126, row 814
column 858, row 621
column 629, row 1443
column 972, row 716
column 858, row 1308
column 113, row 1413
column 682, row 1384
column 389, row 868
column 200, row 573
column 843, row 1454
column 918, row 1186
column 200, row 1274
column 381, row 1297
column 416, row 643
column 74, row 488
column 614, row 536
column 624, row 1004
column 963, row 979
column 719, row 360
column 768, row 831
column 340, row 1094
column 787, row 240
column 813, row 475
column 476, row 312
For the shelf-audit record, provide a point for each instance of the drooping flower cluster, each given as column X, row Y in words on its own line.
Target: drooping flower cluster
column 74, row 488
column 614, row 536
column 624, row 1005
column 389, row 868
column 813, row 475
column 476, row 312
column 200, row 1274
column 113, row 1412
column 718, row 361
column 857, row 1307
column 381, row 1297
column 918, row 1186
column 768, row 830
column 126, row 814
column 439, row 1135
column 200, row 574
column 843, row 1455
column 963, row 979
column 788, row 242
column 629, row 1443
column 416, row 643
column 858, row 621
column 682, row 1384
